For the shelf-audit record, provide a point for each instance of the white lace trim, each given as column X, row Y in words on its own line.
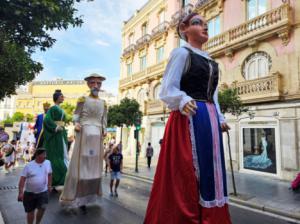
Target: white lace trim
column 194, row 150
column 79, row 201
column 202, row 202
column 214, row 203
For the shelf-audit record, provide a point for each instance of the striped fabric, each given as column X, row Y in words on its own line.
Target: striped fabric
column 208, row 156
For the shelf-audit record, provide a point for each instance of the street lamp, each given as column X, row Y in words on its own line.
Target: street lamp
column 137, row 125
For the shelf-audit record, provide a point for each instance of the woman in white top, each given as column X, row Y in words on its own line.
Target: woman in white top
column 190, row 181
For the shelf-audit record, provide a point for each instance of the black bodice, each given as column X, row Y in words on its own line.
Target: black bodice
column 201, row 79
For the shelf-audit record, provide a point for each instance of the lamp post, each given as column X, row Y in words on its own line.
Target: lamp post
column 136, row 136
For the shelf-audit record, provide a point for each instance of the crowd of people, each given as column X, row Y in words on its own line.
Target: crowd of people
column 194, row 161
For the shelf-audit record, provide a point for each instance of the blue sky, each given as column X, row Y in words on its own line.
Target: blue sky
column 93, row 47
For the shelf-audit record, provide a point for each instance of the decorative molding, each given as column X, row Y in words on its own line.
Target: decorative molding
column 254, row 45
column 284, row 36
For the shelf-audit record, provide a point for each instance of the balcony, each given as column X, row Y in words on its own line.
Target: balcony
column 177, row 15
column 141, row 42
column 264, row 89
column 201, row 3
column 154, row 69
column 160, row 29
column 151, row 73
column 276, row 21
column 155, row 107
column 128, row 50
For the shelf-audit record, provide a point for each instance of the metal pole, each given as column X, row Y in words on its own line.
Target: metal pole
column 137, row 153
column 231, row 166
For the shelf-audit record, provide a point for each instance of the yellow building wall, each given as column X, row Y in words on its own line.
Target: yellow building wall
column 41, row 92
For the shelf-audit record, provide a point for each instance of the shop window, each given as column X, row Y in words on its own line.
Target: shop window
column 259, row 152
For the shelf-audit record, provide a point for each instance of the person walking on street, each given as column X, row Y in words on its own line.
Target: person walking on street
column 10, row 155
column 36, row 177
column 116, row 166
column 191, row 154
column 83, row 183
column 149, row 154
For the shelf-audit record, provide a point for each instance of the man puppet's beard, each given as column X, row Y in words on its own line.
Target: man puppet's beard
column 95, row 91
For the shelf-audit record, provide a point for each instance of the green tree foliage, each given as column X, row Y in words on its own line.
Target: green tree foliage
column 29, row 117
column 115, row 116
column 18, row 117
column 126, row 113
column 24, row 27
column 230, row 102
column 69, row 110
column 131, row 110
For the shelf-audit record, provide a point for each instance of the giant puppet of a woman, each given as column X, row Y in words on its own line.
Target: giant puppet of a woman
column 55, row 139
column 190, row 181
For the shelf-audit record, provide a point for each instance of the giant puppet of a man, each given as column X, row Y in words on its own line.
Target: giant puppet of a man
column 83, row 180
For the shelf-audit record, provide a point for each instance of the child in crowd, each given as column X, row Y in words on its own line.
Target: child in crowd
column 116, row 166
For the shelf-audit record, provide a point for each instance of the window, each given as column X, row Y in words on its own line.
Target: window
column 141, row 97
column 159, row 54
column 259, row 149
column 161, row 17
column 185, row 2
column 256, row 65
column 143, row 63
column 156, row 91
column 130, row 39
column 256, row 8
column 144, row 29
column 129, row 69
column 214, row 27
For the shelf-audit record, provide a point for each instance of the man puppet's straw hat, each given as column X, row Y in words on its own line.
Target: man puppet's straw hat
column 94, row 75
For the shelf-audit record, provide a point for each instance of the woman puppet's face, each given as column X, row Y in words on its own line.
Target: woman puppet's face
column 196, row 29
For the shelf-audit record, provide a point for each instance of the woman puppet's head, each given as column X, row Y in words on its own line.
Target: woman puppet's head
column 193, row 28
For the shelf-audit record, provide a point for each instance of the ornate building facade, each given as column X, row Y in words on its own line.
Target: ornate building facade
column 254, row 43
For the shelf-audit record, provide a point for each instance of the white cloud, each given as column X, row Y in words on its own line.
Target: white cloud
column 102, row 43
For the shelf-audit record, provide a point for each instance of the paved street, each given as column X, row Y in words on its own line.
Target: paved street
column 128, row 208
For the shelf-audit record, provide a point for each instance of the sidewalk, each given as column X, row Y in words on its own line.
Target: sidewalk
column 254, row 191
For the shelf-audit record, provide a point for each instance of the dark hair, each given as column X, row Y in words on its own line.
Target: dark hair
column 185, row 19
column 57, row 94
column 149, row 143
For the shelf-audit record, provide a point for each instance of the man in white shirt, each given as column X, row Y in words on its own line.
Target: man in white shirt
column 36, row 177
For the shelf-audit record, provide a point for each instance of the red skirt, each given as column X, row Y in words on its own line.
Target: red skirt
column 174, row 198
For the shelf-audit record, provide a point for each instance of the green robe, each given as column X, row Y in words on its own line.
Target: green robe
column 55, row 143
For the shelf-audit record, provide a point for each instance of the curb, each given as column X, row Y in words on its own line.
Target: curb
column 232, row 199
